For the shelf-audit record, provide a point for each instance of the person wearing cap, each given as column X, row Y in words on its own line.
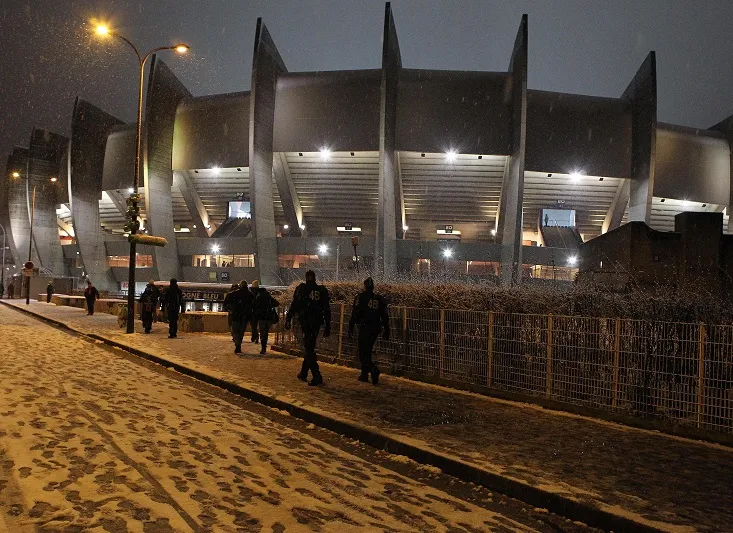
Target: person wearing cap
column 312, row 307
column 264, row 312
column 91, row 294
column 370, row 314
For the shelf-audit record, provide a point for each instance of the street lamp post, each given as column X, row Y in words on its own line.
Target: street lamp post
column 103, row 30
column 30, row 249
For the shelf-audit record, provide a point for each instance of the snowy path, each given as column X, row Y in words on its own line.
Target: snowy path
column 92, row 441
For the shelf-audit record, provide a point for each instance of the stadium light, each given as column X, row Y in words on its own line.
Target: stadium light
column 405, row 228
column 215, row 249
column 447, row 253
column 575, row 175
column 493, row 232
column 286, row 226
column 325, row 153
column 323, row 249
column 572, row 260
column 451, row 155
column 215, row 170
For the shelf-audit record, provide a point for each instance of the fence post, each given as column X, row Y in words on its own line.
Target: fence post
column 549, row 356
column 404, row 334
column 490, row 358
column 616, row 357
column 341, row 330
column 442, row 340
column 700, row 375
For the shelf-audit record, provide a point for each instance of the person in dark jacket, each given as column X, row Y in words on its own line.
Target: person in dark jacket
column 228, row 305
column 147, row 308
column 92, row 295
column 370, row 314
column 11, row 290
column 174, row 306
column 312, row 307
column 49, row 292
column 264, row 312
column 240, row 310
column 155, row 296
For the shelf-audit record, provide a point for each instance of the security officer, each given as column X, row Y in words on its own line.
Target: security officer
column 370, row 313
column 311, row 305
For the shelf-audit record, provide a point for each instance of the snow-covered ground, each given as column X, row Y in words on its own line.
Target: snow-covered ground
column 90, row 441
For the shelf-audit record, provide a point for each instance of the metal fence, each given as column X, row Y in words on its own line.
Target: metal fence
column 678, row 372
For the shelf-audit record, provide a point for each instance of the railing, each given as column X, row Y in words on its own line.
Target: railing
column 677, row 372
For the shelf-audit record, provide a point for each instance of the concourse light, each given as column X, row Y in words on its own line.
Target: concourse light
column 16, row 174
column 215, row 170
column 572, row 260
column 405, row 228
column 286, row 226
column 323, row 248
column 685, row 203
column 215, row 249
column 451, row 155
column 493, row 233
column 54, row 179
column 302, row 226
column 325, row 153
column 575, row 175
column 447, row 253
column 182, row 48
column 130, row 190
column 102, row 29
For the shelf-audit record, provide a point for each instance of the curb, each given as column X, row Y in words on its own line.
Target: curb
column 553, row 502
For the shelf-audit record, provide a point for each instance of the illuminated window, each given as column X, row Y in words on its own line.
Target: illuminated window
column 223, row 261
column 141, row 261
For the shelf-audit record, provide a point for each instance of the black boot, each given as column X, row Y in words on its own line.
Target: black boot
column 364, row 377
column 263, row 351
column 375, row 375
column 237, row 349
column 316, row 381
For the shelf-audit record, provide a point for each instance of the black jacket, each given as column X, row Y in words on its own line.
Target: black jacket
column 264, row 304
column 238, row 303
column 311, row 304
column 370, row 313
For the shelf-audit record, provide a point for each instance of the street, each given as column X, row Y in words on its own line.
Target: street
column 93, row 440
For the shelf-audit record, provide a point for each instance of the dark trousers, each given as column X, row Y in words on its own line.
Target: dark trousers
column 367, row 338
column 253, row 322
column 48, row 298
column 147, row 318
column 238, row 329
column 310, row 360
column 90, row 306
column 264, row 331
column 173, row 323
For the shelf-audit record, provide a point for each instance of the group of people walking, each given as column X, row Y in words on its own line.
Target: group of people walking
column 253, row 306
column 170, row 300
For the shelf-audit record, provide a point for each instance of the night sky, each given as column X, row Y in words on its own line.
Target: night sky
column 49, row 55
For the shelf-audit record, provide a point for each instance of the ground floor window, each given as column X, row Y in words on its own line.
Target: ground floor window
column 141, row 261
column 223, row 261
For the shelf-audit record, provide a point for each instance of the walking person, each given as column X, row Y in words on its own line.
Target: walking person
column 312, row 307
column 264, row 313
column 240, row 311
column 11, row 290
column 370, row 314
column 49, row 292
column 155, row 297
column 174, row 306
column 92, row 295
column 227, row 305
column 147, row 308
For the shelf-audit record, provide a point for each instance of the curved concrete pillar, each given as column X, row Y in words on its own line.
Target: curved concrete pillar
column 165, row 92
column 512, row 192
column 390, row 205
column 266, row 66
column 642, row 96
column 45, row 161
column 11, row 192
column 90, row 127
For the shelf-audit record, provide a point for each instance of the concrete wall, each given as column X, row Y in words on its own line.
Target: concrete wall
column 337, row 109
column 165, row 92
column 45, row 158
column 212, row 131
column 464, row 111
column 89, row 130
column 692, row 165
column 567, row 132
column 119, row 158
column 11, row 192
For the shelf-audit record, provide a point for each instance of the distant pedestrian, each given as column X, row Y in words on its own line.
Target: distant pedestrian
column 264, row 312
column 147, row 308
column 155, row 297
column 49, row 292
column 92, row 295
column 174, row 306
column 370, row 314
column 313, row 309
column 240, row 311
column 255, row 337
column 11, row 290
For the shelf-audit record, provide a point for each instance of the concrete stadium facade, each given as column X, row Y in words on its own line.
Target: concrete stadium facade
column 435, row 171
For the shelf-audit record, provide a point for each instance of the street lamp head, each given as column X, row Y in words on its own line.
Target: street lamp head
column 54, row 179
column 102, row 29
column 16, row 174
column 182, row 48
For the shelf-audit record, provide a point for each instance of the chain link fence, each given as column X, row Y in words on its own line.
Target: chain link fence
column 678, row 372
